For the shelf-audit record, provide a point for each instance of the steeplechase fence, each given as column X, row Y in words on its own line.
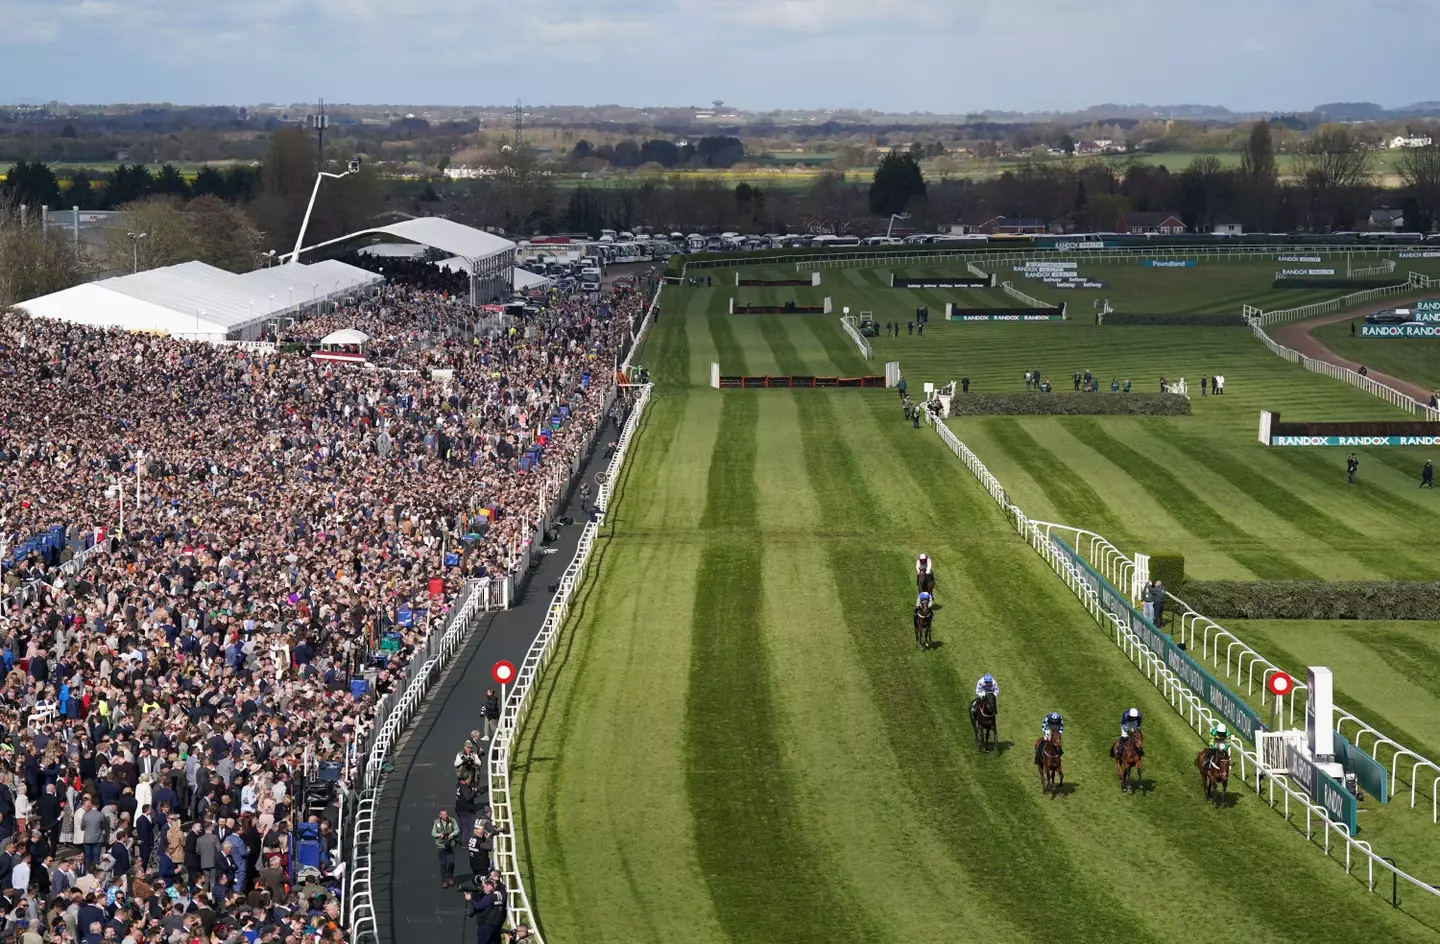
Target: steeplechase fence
column 522, row 693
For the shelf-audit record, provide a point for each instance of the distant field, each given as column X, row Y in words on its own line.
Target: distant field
column 1414, row 359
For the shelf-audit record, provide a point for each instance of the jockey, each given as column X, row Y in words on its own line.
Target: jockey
column 1051, row 723
column 923, row 565
column 922, row 600
column 1129, row 724
column 1219, row 739
column 987, row 683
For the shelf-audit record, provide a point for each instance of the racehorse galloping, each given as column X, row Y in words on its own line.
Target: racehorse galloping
column 983, row 720
column 1128, row 753
column 924, row 574
column 1214, row 768
column 1050, row 764
column 924, row 616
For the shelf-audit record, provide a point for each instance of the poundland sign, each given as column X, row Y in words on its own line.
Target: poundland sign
column 1402, row 330
column 1355, row 441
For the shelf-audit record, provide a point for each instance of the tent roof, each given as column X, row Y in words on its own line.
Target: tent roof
column 392, row 250
column 467, row 242
column 92, row 304
column 524, row 279
column 193, row 287
column 345, row 336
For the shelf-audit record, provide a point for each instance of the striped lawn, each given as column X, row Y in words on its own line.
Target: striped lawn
column 739, row 743
column 1414, row 359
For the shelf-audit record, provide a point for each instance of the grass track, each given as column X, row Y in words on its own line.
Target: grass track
column 739, row 742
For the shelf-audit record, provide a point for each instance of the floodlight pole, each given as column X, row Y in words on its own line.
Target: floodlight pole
column 893, row 218
column 300, row 239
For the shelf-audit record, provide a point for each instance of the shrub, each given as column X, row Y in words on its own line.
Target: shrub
column 1069, row 404
column 1208, row 321
column 1168, row 568
column 1315, row 599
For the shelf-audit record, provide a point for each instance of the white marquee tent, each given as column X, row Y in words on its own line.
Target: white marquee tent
column 199, row 301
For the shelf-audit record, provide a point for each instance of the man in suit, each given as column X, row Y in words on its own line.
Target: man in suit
column 207, row 847
column 192, row 853
column 145, row 836
column 47, row 809
column 489, row 911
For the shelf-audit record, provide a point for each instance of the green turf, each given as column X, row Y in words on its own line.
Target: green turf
column 1414, row 359
column 738, row 741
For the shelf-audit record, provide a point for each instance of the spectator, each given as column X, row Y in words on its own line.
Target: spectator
column 1427, row 475
column 492, row 712
column 489, row 911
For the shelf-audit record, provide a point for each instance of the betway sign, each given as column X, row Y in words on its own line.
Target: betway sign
column 1238, row 715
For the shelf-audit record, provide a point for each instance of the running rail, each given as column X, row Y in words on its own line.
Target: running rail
column 517, row 703
column 394, row 714
column 644, row 327
column 1389, row 394
column 852, row 328
column 1185, row 702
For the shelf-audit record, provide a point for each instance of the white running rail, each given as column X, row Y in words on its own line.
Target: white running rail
column 517, row 703
column 644, row 327
column 1371, row 386
column 394, row 715
column 1030, row 300
column 852, row 328
column 1266, row 318
column 1383, row 267
column 1181, row 698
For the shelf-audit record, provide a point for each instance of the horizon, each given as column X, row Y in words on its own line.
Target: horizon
column 894, row 57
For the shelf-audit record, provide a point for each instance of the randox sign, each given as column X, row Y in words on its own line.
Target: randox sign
column 1054, row 317
column 1338, row 802
column 1355, row 441
column 1238, row 715
column 1402, row 330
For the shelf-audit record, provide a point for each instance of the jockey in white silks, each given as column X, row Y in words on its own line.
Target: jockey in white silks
column 923, row 565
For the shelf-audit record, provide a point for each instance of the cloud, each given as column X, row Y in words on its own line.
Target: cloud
column 897, row 55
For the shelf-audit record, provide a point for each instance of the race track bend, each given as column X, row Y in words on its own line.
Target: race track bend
column 1296, row 335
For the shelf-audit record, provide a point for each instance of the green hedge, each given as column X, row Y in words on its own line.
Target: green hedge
column 1209, row 321
column 1351, row 284
column 1315, row 599
column 1069, row 404
column 1168, row 568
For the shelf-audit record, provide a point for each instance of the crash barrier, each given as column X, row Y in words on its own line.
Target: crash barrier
column 1271, row 784
column 814, row 279
column 1030, row 300
column 980, row 273
column 522, row 692
column 1263, row 319
column 1371, row 386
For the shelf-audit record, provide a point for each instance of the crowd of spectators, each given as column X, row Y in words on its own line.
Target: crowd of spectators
column 414, row 272
column 179, row 689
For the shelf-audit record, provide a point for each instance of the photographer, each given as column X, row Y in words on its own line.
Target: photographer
column 478, row 850
column 489, row 911
column 443, row 831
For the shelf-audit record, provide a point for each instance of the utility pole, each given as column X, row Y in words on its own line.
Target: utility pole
column 319, row 122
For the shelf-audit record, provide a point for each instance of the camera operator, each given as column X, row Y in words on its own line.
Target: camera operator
column 478, row 848
column 489, row 911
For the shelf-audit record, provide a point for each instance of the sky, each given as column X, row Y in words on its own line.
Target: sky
column 941, row 56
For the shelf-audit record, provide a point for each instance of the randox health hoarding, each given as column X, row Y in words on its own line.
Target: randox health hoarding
column 963, row 317
column 1241, row 718
column 1338, row 802
column 1403, row 330
column 1354, row 441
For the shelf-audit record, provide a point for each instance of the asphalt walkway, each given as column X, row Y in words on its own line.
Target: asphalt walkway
column 417, row 910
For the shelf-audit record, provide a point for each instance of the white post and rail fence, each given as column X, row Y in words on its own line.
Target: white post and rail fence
column 1093, row 569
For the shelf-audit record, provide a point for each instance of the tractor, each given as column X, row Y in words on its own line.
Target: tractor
column 868, row 326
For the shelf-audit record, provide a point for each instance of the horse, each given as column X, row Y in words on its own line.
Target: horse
column 925, row 583
column 1214, row 768
column 1050, row 763
column 983, row 719
column 923, row 619
column 1129, row 752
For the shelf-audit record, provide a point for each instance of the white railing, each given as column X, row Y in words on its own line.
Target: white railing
column 976, row 271
column 517, row 703
column 1383, row 267
column 1185, row 702
column 1267, row 318
column 642, row 330
column 852, row 328
column 393, row 714
column 1371, row 386
column 1030, row 300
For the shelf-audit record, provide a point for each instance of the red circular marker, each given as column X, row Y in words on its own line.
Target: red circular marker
column 503, row 672
column 1280, row 684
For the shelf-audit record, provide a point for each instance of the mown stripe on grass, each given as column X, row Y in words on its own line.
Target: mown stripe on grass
column 787, row 358
column 1402, row 509
column 921, row 713
column 730, row 497
column 667, row 346
column 844, row 355
column 1078, row 503
column 728, row 351
column 1283, row 503
column 1187, row 508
